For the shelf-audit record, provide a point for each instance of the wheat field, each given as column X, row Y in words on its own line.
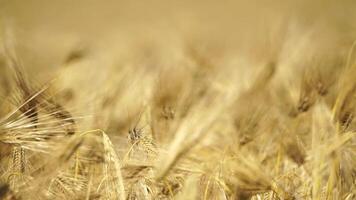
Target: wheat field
column 206, row 100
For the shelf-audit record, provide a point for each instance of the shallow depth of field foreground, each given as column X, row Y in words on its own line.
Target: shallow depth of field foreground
column 160, row 99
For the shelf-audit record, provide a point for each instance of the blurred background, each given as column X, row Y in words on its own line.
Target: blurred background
column 47, row 31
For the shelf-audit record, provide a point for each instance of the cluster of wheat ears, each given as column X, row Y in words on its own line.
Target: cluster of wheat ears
column 193, row 127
